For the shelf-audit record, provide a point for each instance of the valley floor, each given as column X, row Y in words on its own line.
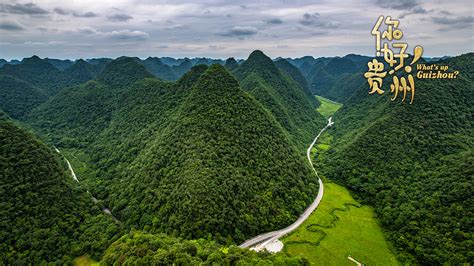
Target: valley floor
column 327, row 107
column 340, row 230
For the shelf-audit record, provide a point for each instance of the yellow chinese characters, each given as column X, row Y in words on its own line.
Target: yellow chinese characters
column 374, row 76
column 395, row 60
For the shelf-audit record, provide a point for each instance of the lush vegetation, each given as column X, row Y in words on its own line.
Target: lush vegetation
column 339, row 227
column 44, row 76
column 295, row 74
column 231, row 64
column 160, row 70
column 294, row 109
column 157, row 148
column 18, row 97
column 28, row 84
column 413, row 163
column 334, row 78
column 145, row 249
column 327, row 107
column 44, row 218
column 220, row 140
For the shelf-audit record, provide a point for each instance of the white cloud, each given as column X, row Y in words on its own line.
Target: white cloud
column 125, row 35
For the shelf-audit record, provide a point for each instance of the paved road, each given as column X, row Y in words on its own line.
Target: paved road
column 104, row 209
column 263, row 240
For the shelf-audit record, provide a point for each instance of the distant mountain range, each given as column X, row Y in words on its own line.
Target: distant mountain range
column 335, row 78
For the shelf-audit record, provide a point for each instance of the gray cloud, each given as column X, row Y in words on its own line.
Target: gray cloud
column 11, row 26
column 274, row 21
column 397, row 4
column 61, row 11
column 119, row 17
column 445, row 12
column 319, row 33
column 87, row 30
column 459, row 22
column 415, row 10
column 175, row 27
column 315, row 20
column 27, row 9
column 240, row 31
column 126, row 35
column 84, row 15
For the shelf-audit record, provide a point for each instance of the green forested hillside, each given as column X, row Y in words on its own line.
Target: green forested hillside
column 182, row 68
column 3, row 62
column 18, row 97
column 44, row 218
column 193, row 158
column 39, row 73
column 76, row 116
column 145, row 249
column 32, row 82
column 60, row 64
column 282, row 96
column 220, row 140
column 231, row 64
column 160, row 70
column 295, row 74
column 123, row 72
column 414, row 163
column 337, row 78
column 80, row 72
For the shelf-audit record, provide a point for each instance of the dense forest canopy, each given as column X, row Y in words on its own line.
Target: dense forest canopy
column 196, row 155
column 414, row 163
column 284, row 97
column 172, row 142
column 44, row 217
column 144, row 249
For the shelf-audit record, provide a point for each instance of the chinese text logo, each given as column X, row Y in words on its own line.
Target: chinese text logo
column 394, row 56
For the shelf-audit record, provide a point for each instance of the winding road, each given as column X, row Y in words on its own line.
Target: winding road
column 270, row 240
column 73, row 174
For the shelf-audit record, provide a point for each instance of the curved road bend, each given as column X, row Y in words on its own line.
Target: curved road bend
column 263, row 240
column 104, row 209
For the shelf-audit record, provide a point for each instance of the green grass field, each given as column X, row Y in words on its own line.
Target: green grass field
column 327, row 107
column 340, row 226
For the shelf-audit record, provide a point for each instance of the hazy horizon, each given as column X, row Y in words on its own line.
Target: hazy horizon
column 213, row 58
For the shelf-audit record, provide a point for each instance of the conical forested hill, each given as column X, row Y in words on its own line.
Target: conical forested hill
column 183, row 67
column 160, row 70
column 59, row 64
column 202, row 61
column 340, row 65
column 3, row 62
column 80, row 72
column 38, row 72
column 43, row 218
column 414, row 163
column 196, row 157
column 122, row 72
column 231, row 64
column 222, row 167
column 337, row 78
column 282, row 95
column 18, row 97
column 294, row 73
column 76, row 115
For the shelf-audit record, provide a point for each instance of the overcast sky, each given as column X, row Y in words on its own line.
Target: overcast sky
column 221, row 29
